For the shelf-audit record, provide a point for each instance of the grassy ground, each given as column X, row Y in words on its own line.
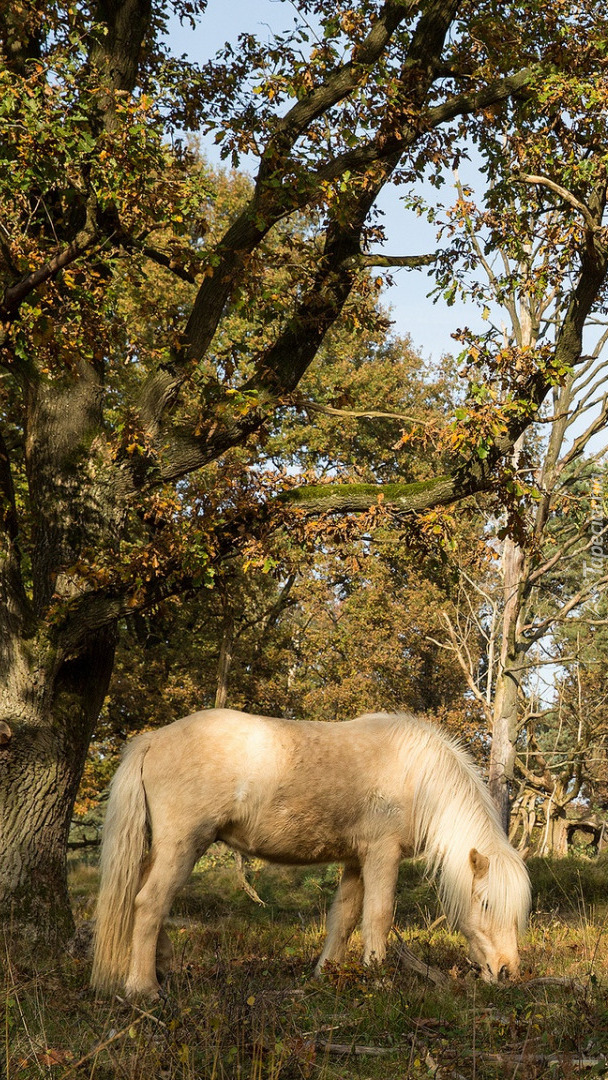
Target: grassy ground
column 242, row 1004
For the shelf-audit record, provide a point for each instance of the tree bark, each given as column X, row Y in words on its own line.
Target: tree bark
column 555, row 838
column 506, row 697
column 51, row 691
column 225, row 657
column 40, row 769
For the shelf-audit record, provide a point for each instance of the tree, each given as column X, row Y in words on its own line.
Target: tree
column 102, row 421
column 514, row 255
column 309, row 604
column 561, row 760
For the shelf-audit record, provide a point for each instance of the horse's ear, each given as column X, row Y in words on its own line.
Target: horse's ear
column 480, row 864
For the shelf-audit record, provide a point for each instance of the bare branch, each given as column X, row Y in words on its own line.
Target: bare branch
column 535, row 631
column 582, row 440
column 567, row 196
column 369, row 414
column 466, row 665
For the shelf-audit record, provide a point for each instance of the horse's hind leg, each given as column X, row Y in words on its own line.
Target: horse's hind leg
column 164, row 955
column 343, row 916
column 379, row 870
column 170, row 867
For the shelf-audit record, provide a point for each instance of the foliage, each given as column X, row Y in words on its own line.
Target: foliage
column 146, row 338
column 325, row 620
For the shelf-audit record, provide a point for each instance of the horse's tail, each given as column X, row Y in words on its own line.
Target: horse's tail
column 124, row 844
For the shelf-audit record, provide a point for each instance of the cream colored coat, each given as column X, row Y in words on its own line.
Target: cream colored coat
column 365, row 792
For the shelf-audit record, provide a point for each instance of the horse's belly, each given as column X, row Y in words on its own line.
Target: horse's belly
column 291, row 842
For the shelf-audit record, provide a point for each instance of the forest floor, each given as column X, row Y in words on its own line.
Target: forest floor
column 242, row 1005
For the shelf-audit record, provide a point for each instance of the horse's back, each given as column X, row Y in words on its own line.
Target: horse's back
column 217, row 743
column 257, row 776
column 229, row 745
column 255, row 737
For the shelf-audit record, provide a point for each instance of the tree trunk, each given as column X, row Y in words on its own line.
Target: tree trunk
column 225, row 658
column 38, row 784
column 40, row 770
column 523, row 821
column 504, row 723
column 555, row 838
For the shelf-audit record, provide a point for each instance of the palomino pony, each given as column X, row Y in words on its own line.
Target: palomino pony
column 365, row 792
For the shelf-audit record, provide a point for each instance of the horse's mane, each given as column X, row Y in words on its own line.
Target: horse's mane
column 453, row 813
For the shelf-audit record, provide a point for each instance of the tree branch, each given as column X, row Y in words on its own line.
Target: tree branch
column 272, row 201
column 117, row 52
column 358, row 262
column 382, row 146
column 160, row 258
column 282, row 365
column 462, row 104
column 535, row 631
column 357, row 498
column 84, row 239
column 327, row 410
column 339, row 85
column 557, row 189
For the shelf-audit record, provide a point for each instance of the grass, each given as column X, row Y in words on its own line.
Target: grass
column 241, row 1002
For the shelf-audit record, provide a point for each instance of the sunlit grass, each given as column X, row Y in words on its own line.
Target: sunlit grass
column 241, row 1002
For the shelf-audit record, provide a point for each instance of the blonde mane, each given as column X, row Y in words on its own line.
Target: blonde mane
column 453, row 813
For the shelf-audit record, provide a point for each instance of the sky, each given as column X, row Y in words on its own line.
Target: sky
column 430, row 325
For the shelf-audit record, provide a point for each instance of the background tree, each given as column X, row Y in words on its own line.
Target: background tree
column 261, row 639
column 561, row 765
column 515, row 257
column 101, row 422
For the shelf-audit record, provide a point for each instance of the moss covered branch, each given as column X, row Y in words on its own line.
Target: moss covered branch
column 404, row 498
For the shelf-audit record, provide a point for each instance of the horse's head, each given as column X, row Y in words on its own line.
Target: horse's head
column 493, row 947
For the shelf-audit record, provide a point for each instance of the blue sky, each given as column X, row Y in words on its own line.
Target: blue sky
column 429, row 325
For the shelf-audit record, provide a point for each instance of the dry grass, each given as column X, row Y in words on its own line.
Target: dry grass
column 241, row 1002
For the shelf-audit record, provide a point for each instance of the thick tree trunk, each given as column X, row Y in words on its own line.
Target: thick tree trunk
column 40, row 770
column 38, row 783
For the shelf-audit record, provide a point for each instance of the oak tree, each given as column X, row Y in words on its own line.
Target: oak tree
column 101, row 419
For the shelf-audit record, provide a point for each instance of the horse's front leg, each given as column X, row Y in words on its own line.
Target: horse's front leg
column 343, row 916
column 379, row 871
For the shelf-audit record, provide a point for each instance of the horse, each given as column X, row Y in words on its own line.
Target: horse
column 365, row 793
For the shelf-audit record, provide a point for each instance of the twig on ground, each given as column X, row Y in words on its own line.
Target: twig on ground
column 329, row 1047
column 142, row 1012
column 97, row 1049
column 555, row 980
column 438, row 1071
column 411, row 961
column 514, row 1057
